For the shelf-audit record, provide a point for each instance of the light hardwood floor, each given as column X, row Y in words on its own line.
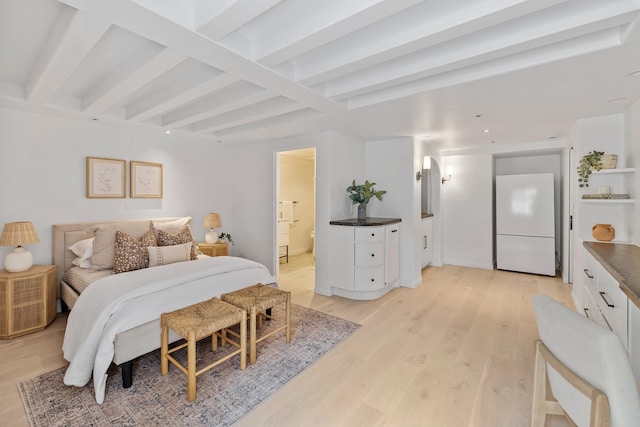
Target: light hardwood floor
column 456, row 351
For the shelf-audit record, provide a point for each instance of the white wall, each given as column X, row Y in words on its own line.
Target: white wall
column 389, row 163
column 468, row 211
column 43, row 176
column 632, row 154
column 339, row 159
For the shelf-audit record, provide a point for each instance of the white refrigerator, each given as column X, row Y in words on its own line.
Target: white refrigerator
column 525, row 223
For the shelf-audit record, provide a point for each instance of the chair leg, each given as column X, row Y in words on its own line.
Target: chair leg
column 538, row 410
column 191, row 367
column 164, row 349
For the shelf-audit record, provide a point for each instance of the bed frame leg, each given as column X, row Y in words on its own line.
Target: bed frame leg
column 127, row 374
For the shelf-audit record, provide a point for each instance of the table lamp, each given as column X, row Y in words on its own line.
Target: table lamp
column 211, row 221
column 18, row 234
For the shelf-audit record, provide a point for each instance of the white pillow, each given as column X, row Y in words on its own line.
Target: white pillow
column 172, row 226
column 83, row 250
column 161, row 255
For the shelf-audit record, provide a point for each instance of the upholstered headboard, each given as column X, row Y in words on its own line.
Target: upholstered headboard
column 65, row 235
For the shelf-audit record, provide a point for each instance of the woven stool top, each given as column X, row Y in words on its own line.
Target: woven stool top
column 259, row 296
column 203, row 318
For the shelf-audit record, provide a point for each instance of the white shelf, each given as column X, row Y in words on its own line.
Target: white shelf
column 610, row 171
column 605, row 201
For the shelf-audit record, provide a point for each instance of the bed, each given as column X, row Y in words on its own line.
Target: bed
column 116, row 318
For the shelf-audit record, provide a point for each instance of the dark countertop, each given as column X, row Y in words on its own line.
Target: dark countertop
column 367, row 222
column 622, row 261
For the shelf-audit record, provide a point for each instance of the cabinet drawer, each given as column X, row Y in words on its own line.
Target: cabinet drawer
column 590, row 272
column 369, row 255
column 613, row 304
column 369, row 234
column 367, row 279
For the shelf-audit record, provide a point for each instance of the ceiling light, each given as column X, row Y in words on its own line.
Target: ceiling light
column 478, row 116
column 486, row 130
column 167, row 132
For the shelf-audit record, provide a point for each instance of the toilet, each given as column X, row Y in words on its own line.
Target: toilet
column 313, row 242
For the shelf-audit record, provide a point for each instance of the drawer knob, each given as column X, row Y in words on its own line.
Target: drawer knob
column 373, row 234
column 373, row 254
column 373, row 280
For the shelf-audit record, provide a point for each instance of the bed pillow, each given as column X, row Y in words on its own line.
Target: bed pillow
column 105, row 236
column 162, row 255
column 183, row 236
column 131, row 253
column 83, row 250
column 174, row 226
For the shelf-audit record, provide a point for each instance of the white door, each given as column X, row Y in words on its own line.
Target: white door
column 392, row 243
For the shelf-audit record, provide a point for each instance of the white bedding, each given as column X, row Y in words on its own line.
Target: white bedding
column 123, row 301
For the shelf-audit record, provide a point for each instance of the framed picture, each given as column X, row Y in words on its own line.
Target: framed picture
column 106, row 178
column 146, row 179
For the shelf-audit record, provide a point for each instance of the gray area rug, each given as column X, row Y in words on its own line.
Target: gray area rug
column 224, row 394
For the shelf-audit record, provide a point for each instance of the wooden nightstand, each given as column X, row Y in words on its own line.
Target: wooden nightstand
column 27, row 300
column 214, row 249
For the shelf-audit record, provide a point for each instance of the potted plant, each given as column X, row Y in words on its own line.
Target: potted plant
column 360, row 194
column 588, row 162
column 226, row 236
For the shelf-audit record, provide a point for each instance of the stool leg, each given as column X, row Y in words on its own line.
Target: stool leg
column 191, row 366
column 164, row 349
column 288, row 319
column 252, row 335
column 214, row 340
column 243, row 342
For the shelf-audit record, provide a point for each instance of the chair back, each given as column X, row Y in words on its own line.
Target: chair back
column 594, row 354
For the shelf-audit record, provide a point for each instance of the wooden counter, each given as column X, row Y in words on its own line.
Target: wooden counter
column 622, row 261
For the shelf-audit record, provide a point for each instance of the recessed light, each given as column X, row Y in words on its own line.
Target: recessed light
column 551, row 137
column 486, row 130
column 478, row 116
column 634, row 73
column 493, row 142
column 167, row 132
column 95, row 119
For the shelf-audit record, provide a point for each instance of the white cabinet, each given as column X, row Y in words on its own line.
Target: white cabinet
column 364, row 260
column 613, row 304
column 604, row 302
column 426, row 241
column 634, row 338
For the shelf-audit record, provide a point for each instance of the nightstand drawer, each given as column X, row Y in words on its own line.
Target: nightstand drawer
column 214, row 249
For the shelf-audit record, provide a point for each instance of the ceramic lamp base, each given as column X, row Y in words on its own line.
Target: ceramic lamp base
column 18, row 260
column 211, row 237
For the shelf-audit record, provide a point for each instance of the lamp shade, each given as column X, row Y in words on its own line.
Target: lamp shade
column 212, row 220
column 18, row 234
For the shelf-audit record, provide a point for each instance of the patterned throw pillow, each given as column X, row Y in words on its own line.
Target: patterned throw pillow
column 131, row 253
column 183, row 236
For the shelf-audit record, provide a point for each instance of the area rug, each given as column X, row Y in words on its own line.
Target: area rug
column 224, row 394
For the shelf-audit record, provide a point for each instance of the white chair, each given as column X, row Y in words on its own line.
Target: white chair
column 588, row 369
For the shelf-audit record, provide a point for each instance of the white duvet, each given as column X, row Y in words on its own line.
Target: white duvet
column 123, row 301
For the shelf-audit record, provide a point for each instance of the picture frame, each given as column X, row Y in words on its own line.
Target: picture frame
column 146, row 180
column 106, row 178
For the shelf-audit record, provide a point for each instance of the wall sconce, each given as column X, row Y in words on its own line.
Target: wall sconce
column 426, row 164
column 448, row 176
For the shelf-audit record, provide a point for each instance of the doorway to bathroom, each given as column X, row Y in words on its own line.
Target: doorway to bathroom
column 296, row 207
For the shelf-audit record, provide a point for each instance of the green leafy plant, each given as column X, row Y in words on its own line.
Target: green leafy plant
column 362, row 193
column 226, row 236
column 588, row 162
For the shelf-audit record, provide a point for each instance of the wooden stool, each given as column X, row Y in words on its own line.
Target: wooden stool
column 198, row 321
column 256, row 299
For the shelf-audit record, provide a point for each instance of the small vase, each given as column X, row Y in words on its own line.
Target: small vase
column 362, row 212
column 603, row 232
